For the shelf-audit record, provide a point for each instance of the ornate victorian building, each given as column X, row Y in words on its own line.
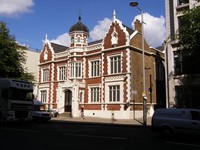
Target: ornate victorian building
column 104, row 76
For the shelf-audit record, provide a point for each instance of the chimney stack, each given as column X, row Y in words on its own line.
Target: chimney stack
column 138, row 25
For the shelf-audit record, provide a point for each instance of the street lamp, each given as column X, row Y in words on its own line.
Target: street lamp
column 135, row 4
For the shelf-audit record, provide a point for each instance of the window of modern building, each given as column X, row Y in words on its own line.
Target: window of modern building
column 45, row 73
column 115, row 64
column 44, row 96
column 62, row 73
column 114, row 93
column 180, row 22
column 181, row 2
column 184, row 63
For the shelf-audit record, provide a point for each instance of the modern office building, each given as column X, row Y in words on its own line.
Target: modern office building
column 177, row 93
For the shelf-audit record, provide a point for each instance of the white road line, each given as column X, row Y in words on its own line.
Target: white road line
column 23, row 130
column 94, row 136
column 185, row 144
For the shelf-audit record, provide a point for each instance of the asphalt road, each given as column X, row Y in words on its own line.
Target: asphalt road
column 56, row 135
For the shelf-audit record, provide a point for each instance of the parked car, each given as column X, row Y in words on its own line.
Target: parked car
column 39, row 112
column 54, row 112
column 176, row 120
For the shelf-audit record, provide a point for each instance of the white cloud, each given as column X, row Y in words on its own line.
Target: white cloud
column 97, row 33
column 100, row 29
column 154, row 29
column 15, row 7
column 62, row 39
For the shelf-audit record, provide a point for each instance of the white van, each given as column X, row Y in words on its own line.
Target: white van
column 176, row 120
column 39, row 112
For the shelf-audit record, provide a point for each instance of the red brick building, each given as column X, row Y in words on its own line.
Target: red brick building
column 104, row 76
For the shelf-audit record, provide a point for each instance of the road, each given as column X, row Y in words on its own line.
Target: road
column 56, row 135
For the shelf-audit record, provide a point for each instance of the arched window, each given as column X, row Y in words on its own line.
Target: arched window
column 72, row 39
column 79, row 39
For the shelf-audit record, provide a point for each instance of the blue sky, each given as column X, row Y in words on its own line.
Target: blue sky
column 30, row 20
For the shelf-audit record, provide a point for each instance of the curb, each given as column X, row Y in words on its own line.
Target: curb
column 96, row 121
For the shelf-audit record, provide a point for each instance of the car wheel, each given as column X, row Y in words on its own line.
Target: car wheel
column 56, row 115
column 166, row 132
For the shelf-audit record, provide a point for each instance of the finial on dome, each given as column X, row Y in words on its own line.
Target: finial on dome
column 46, row 38
column 79, row 18
column 114, row 15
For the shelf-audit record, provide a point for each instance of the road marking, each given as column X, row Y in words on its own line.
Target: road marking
column 23, row 130
column 77, row 130
column 94, row 136
column 195, row 145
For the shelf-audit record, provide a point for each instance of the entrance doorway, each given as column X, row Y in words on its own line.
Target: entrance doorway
column 68, row 101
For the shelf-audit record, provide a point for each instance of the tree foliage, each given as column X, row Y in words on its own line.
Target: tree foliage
column 12, row 56
column 189, row 60
column 189, row 34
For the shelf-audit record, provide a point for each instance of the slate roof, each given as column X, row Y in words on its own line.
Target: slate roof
column 130, row 31
column 95, row 42
column 79, row 26
column 58, row 48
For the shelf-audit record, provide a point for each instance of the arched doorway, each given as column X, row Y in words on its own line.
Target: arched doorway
column 68, row 101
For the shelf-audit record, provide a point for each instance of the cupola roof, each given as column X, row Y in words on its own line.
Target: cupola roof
column 79, row 26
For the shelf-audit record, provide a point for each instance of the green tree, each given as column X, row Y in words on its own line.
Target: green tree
column 189, row 37
column 12, row 56
column 188, row 60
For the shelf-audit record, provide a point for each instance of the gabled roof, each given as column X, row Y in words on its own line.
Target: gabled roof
column 130, row 31
column 95, row 42
column 58, row 48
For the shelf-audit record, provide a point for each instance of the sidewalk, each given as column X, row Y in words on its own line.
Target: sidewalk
column 103, row 120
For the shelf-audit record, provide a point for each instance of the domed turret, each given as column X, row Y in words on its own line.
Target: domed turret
column 79, row 26
column 79, row 34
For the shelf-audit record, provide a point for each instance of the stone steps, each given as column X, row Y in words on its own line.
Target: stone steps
column 65, row 114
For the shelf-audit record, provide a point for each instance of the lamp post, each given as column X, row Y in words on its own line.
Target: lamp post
column 135, row 4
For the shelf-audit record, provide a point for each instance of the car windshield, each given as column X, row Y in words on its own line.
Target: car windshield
column 20, row 94
column 39, row 108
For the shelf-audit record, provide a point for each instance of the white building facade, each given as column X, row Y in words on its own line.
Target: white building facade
column 31, row 65
column 174, row 11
